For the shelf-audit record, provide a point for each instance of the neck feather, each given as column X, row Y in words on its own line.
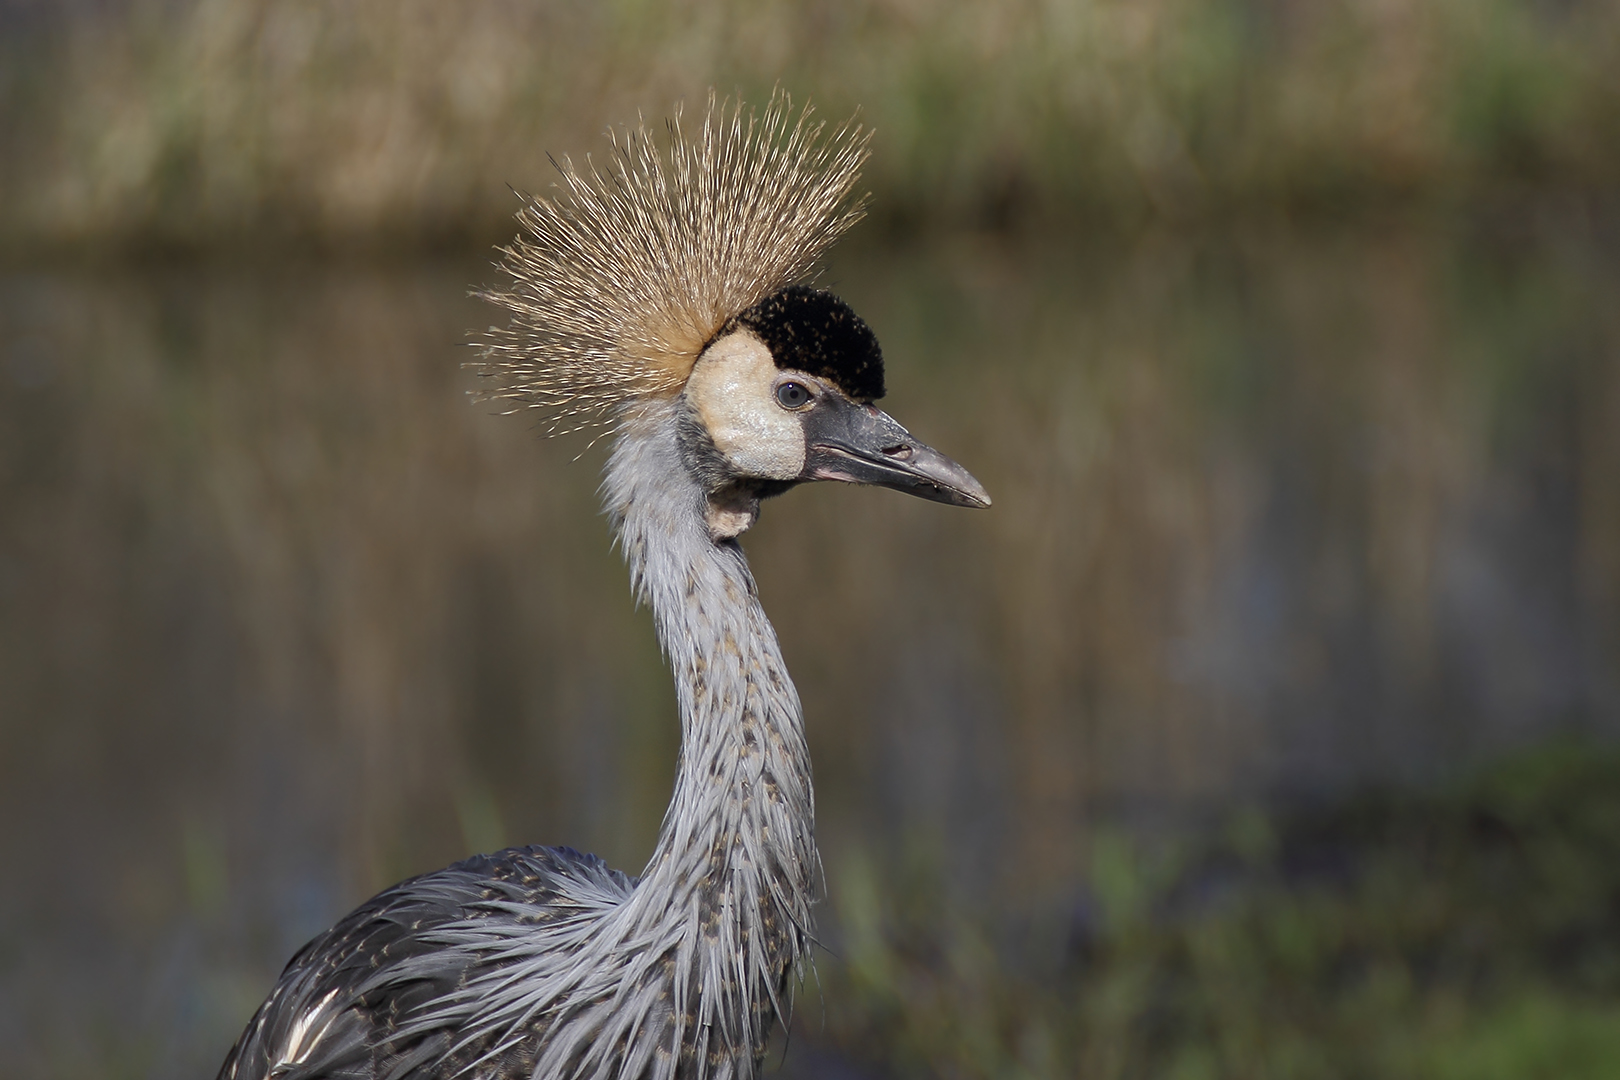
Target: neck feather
column 736, row 858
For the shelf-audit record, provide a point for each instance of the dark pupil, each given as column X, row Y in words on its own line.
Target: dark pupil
column 792, row 395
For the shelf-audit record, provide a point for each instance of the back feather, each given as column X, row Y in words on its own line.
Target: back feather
column 623, row 275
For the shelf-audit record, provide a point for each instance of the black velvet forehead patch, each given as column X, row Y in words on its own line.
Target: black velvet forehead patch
column 815, row 332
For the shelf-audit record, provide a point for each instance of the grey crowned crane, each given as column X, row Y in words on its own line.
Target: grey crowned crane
column 660, row 294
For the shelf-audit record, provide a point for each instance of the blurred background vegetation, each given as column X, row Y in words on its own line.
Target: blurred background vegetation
column 1266, row 728
column 1465, row 932
column 165, row 122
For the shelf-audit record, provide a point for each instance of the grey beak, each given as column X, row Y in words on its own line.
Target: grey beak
column 862, row 444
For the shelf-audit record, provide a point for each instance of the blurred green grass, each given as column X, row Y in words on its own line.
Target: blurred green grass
column 204, row 122
column 1472, row 931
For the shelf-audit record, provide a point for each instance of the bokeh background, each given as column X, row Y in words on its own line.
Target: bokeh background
column 1269, row 726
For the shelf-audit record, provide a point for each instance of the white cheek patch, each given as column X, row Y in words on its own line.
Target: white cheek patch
column 731, row 388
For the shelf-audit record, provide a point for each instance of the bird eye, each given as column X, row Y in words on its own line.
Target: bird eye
column 791, row 395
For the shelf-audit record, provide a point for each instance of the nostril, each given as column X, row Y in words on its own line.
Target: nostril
column 898, row 450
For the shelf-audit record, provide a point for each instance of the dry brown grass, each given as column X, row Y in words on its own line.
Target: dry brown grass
column 199, row 122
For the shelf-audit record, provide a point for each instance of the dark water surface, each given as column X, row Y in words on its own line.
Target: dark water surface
column 284, row 618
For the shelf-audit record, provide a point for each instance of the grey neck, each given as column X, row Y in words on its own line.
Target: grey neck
column 735, row 862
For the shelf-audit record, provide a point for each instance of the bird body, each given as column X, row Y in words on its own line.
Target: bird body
column 725, row 385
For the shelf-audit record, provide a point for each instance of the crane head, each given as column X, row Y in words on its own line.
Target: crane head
column 783, row 395
column 669, row 274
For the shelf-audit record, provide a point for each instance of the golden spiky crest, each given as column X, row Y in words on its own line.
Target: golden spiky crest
column 624, row 274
